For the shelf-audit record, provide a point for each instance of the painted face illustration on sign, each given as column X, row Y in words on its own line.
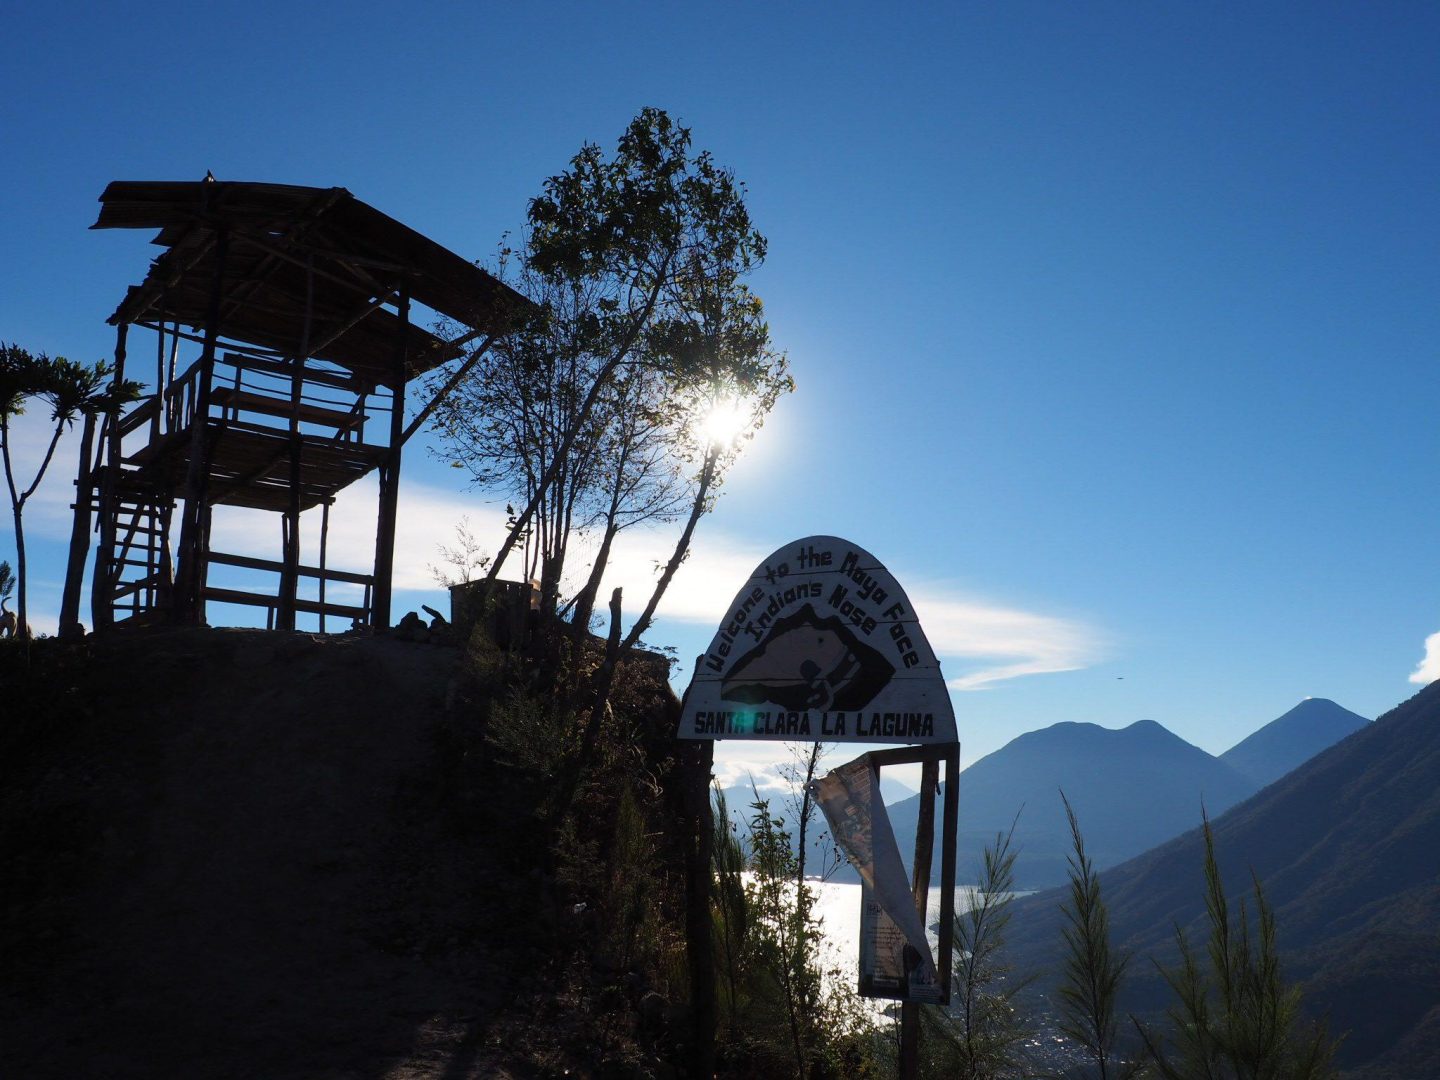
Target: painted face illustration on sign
column 806, row 662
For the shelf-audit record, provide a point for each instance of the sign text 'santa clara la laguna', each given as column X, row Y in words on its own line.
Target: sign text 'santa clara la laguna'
column 821, row 643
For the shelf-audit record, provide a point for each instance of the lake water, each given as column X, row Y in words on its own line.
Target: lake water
column 837, row 904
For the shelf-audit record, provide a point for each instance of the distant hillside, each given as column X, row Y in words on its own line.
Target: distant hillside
column 1348, row 849
column 1134, row 788
column 1310, row 727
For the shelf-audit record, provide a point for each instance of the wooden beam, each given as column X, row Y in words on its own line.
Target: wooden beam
column 390, row 479
column 79, row 533
column 281, row 368
column 249, row 478
column 131, row 310
column 249, row 401
column 189, row 598
column 101, row 579
column 247, row 562
column 289, row 578
column 450, row 384
column 330, row 336
column 261, row 274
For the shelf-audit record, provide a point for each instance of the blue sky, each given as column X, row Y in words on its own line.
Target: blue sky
column 1114, row 326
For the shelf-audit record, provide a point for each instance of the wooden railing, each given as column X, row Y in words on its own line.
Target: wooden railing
column 320, row 607
column 142, row 413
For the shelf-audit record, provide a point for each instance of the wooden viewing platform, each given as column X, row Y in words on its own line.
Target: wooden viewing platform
column 300, row 303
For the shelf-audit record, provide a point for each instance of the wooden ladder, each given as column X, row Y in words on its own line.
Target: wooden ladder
column 138, row 564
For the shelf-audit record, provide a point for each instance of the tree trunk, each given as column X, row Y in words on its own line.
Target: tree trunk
column 682, row 548
column 22, row 623
column 585, row 602
column 18, row 499
column 602, row 378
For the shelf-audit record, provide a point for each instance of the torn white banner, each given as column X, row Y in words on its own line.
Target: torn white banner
column 895, row 957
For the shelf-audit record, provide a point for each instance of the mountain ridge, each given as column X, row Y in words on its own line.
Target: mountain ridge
column 1292, row 739
column 1105, row 772
column 1346, row 849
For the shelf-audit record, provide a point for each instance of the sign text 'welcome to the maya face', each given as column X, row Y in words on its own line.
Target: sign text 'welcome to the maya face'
column 820, row 643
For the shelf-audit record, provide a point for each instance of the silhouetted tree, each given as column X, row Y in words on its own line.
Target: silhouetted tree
column 652, row 240
column 70, row 389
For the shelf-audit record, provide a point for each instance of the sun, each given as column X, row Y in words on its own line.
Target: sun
column 724, row 422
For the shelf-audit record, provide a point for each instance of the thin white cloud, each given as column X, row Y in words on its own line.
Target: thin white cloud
column 989, row 643
column 998, row 642
column 993, row 641
column 1428, row 670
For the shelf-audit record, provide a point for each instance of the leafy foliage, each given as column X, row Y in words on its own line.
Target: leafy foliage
column 462, row 562
column 783, row 1013
column 589, row 416
column 1240, row 1019
column 1092, row 970
column 983, row 1034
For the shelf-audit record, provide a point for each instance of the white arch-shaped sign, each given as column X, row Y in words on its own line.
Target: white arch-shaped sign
column 821, row 643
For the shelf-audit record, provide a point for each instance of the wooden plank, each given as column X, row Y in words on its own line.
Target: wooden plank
column 236, row 596
column 312, row 608
column 248, row 563
column 338, row 380
column 127, row 587
column 147, row 409
column 249, row 401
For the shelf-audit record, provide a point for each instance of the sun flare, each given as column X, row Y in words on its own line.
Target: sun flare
column 724, row 422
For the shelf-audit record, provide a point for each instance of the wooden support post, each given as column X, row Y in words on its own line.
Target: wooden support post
column 390, row 477
column 202, row 567
column 289, row 560
column 195, row 525
column 165, row 594
column 172, row 404
column 290, row 576
column 102, row 581
column 445, row 391
column 159, row 382
column 79, row 533
column 324, row 543
column 920, row 887
column 951, row 822
column 290, row 532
